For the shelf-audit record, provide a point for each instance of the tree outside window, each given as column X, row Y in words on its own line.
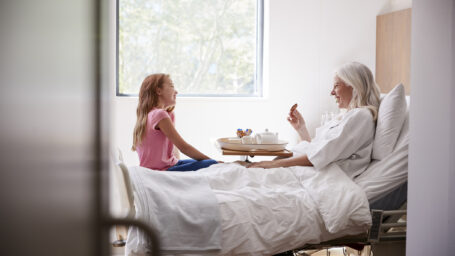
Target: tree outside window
column 209, row 47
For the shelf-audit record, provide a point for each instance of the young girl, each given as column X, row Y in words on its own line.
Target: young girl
column 155, row 135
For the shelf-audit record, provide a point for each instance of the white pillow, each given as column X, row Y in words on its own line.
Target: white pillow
column 403, row 138
column 391, row 115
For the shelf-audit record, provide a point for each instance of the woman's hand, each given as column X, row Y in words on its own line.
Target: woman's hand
column 286, row 162
column 296, row 119
column 263, row 164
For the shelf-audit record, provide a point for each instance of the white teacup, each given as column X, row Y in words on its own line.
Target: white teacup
column 248, row 140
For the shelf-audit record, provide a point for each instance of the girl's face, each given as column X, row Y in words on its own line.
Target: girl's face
column 167, row 94
column 342, row 93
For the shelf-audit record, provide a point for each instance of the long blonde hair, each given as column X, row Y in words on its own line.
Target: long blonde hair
column 148, row 99
column 365, row 91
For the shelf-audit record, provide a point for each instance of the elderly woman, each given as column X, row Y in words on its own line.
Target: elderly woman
column 346, row 140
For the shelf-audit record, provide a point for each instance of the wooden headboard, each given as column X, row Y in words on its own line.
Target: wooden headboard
column 393, row 50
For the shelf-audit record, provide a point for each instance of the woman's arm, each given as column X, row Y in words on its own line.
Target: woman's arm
column 304, row 134
column 167, row 127
column 297, row 121
column 286, row 162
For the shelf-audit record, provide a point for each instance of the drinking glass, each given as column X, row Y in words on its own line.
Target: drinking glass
column 324, row 117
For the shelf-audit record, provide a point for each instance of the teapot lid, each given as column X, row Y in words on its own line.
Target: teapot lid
column 268, row 132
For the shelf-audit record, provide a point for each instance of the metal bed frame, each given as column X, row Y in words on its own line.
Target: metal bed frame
column 387, row 236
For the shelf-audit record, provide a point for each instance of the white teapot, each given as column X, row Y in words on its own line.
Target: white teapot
column 267, row 137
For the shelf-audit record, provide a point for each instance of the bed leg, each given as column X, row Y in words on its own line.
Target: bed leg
column 120, row 233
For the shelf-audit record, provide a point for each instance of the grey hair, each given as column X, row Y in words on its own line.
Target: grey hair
column 365, row 93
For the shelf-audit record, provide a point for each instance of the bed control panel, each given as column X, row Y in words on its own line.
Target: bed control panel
column 375, row 230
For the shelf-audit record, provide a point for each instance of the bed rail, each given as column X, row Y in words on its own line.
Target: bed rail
column 387, row 226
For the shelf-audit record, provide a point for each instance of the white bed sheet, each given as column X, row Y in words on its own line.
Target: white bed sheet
column 266, row 211
column 382, row 177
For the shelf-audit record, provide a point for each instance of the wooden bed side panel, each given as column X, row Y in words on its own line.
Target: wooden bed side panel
column 393, row 50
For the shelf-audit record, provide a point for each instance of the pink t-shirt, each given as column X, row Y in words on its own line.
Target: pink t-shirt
column 155, row 149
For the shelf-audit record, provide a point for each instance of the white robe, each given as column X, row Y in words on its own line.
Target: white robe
column 347, row 140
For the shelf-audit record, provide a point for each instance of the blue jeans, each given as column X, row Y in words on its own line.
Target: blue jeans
column 191, row 165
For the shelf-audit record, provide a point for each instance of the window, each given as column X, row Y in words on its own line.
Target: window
column 210, row 48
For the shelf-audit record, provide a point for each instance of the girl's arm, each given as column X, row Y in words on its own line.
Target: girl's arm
column 176, row 153
column 286, row 162
column 167, row 127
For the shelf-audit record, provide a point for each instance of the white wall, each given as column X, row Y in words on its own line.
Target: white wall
column 431, row 191
column 305, row 42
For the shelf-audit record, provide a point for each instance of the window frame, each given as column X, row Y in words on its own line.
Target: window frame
column 258, row 79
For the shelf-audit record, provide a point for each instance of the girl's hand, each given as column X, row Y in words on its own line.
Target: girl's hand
column 242, row 163
column 262, row 164
column 296, row 119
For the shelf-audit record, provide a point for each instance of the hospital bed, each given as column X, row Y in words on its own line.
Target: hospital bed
column 384, row 183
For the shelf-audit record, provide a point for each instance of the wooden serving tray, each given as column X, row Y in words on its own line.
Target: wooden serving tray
column 237, row 145
column 282, row 153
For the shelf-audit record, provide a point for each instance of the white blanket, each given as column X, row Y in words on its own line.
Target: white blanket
column 180, row 206
column 266, row 211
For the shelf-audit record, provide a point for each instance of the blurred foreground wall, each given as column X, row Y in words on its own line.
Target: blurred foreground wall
column 50, row 125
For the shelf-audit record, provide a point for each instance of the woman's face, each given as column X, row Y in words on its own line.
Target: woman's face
column 342, row 92
column 167, row 94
